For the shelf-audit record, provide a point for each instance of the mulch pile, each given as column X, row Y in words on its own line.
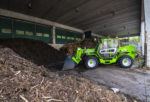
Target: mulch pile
column 72, row 47
column 34, row 50
column 23, row 81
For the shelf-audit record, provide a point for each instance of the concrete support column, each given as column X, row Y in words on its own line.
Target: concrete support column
column 142, row 33
column 142, row 37
column 147, row 30
column 83, row 36
column 53, row 35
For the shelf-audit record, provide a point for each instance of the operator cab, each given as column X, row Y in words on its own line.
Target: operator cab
column 108, row 48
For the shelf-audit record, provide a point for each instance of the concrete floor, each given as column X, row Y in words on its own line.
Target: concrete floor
column 133, row 82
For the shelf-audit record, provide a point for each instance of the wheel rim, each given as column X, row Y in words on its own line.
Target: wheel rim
column 91, row 63
column 126, row 62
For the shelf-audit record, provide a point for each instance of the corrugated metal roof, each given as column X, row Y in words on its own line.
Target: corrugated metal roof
column 106, row 17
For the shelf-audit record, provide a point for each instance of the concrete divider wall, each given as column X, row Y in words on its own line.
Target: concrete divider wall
column 57, row 46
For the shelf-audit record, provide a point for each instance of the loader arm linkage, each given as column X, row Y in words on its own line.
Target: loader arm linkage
column 80, row 52
column 78, row 57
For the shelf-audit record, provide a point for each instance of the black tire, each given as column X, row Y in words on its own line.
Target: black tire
column 93, row 60
column 128, row 63
column 84, row 58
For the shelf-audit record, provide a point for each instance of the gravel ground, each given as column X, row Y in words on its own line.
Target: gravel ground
column 133, row 82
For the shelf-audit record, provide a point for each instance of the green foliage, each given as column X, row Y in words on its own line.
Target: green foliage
column 136, row 38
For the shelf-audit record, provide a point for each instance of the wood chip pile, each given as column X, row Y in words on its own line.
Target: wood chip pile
column 72, row 47
column 23, row 81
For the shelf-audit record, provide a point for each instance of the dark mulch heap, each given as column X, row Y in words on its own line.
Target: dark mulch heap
column 36, row 51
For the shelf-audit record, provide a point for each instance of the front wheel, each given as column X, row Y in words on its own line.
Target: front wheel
column 91, row 62
column 125, row 61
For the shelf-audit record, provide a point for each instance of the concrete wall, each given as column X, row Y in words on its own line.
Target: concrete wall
column 147, row 30
column 56, row 46
column 21, row 16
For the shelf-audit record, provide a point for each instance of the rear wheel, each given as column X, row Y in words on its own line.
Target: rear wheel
column 91, row 62
column 125, row 61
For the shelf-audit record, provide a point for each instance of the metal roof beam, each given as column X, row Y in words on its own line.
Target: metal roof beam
column 16, row 15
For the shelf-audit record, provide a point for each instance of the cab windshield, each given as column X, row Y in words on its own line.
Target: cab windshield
column 108, row 48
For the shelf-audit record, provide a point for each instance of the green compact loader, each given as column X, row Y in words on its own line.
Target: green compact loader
column 107, row 51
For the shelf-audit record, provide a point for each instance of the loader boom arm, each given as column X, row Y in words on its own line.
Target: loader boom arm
column 80, row 52
column 78, row 57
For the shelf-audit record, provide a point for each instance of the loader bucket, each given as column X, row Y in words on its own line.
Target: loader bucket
column 69, row 64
